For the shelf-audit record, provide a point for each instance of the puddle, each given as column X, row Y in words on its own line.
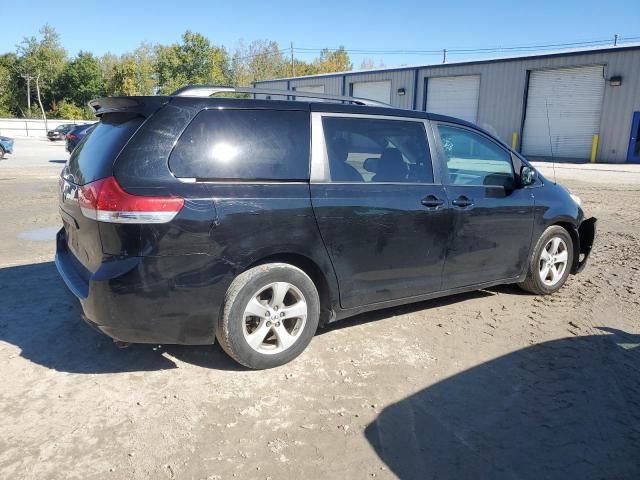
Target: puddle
column 40, row 234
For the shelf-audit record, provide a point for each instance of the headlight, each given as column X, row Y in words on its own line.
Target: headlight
column 576, row 199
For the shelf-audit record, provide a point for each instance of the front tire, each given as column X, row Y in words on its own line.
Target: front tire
column 270, row 315
column 550, row 262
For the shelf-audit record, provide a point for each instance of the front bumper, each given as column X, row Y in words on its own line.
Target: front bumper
column 164, row 300
column 586, row 237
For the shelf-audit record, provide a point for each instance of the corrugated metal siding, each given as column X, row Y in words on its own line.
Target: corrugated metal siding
column 502, row 92
column 399, row 79
column 279, row 85
column 332, row 85
column 618, row 105
column 503, row 85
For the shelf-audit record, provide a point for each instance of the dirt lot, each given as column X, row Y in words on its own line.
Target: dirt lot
column 492, row 384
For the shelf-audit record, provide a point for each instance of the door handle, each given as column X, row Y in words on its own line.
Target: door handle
column 462, row 201
column 431, row 201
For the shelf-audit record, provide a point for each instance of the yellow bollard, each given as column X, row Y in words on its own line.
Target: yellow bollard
column 594, row 148
column 514, row 140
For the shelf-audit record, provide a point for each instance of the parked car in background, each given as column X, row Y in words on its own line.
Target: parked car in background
column 60, row 132
column 6, row 146
column 76, row 134
column 188, row 218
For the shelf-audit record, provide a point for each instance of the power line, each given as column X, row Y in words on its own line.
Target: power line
column 615, row 41
column 618, row 39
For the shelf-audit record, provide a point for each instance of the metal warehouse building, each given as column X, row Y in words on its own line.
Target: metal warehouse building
column 579, row 104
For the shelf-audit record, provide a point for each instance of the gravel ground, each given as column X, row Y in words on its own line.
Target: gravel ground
column 491, row 384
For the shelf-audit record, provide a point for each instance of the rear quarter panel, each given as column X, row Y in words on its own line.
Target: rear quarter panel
column 224, row 227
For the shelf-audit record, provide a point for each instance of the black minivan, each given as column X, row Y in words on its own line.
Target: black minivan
column 255, row 221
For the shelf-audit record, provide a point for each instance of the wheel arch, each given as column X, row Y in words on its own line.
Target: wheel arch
column 326, row 291
column 575, row 239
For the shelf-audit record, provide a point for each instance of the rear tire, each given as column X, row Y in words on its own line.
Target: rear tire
column 270, row 315
column 550, row 262
column 2, row 152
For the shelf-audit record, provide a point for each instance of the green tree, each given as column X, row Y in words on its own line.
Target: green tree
column 132, row 73
column 9, row 85
column 40, row 63
column 260, row 60
column 123, row 80
column 194, row 60
column 108, row 64
column 333, row 61
column 144, row 56
column 82, row 79
column 71, row 111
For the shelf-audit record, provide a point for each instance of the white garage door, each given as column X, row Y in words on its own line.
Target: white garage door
column 572, row 97
column 380, row 91
column 454, row 96
column 312, row 89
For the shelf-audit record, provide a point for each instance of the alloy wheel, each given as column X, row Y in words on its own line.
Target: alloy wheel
column 554, row 259
column 274, row 318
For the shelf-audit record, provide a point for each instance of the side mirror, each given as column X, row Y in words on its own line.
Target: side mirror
column 527, row 176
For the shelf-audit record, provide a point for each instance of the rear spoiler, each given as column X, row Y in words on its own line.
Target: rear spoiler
column 144, row 106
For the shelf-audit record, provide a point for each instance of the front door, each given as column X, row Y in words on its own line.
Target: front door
column 492, row 220
column 383, row 219
column 633, row 153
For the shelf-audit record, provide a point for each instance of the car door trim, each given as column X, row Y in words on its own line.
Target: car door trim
column 320, row 170
column 443, row 158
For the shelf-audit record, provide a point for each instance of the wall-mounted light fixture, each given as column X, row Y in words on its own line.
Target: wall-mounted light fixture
column 401, row 91
column 615, row 81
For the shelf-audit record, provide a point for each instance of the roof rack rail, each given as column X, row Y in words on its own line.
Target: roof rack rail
column 209, row 90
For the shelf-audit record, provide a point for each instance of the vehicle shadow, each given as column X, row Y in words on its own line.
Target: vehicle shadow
column 39, row 316
column 564, row 409
column 57, row 161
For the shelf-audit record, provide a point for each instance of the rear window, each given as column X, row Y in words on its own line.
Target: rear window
column 93, row 158
column 244, row 145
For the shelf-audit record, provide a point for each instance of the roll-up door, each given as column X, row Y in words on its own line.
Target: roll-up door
column 563, row 111
column 454, row 96
column 310, row 89
column 380, row 91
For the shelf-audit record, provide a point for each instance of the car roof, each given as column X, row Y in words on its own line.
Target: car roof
column 84, row 126
column 315, row 106
column 148, row 104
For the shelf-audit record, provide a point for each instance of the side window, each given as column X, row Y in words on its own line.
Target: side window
column 472, row 159
column 244, row 145
column 377, row 150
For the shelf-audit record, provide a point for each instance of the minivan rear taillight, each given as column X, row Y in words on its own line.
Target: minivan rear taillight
column 105, row 201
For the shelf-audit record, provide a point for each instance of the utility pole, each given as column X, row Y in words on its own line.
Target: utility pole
column 615, row 40
column 28, row 78
column 444, row 55
column 293, row 65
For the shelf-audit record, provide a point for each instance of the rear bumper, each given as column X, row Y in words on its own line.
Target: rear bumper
column 164, row 300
